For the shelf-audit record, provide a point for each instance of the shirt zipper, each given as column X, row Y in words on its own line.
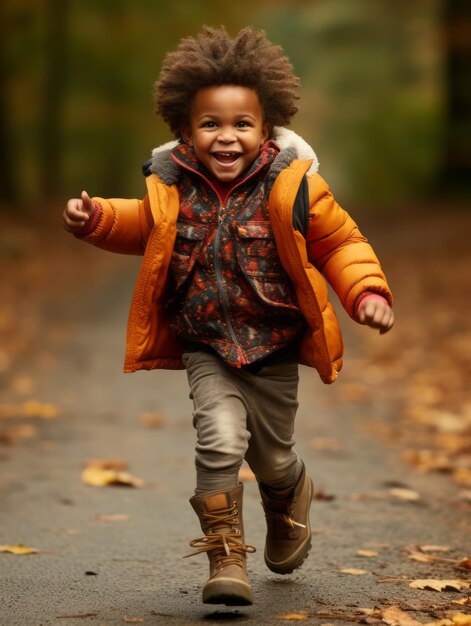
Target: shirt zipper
column 223, row 206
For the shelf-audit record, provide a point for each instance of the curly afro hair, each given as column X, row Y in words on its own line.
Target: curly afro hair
column 213, row 58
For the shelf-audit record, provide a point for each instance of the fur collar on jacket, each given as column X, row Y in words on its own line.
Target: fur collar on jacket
column 292, row 147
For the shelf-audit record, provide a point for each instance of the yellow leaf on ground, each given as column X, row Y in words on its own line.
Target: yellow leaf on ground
column 152, row 420
column 45, row 411
column 32, row 408
column 293, row 616
column 354, row 571
column 18, row 549
column 367, row 553
column 114, row 517
column 394, row 616
column 461, row 619
column 409, row 495
column 98, row 477
column 439, row 585
column 434, row 548
column 133, row 620
column 463, row 601
column 462, row 476
column 325, row 443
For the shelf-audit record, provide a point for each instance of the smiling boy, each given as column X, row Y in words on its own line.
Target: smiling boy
column 238, row 231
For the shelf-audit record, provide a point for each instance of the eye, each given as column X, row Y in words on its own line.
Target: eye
column 208, row 124
column 243, row 124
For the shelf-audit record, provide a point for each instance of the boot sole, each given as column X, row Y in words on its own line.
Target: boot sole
column 297, row 559
column 228, row 591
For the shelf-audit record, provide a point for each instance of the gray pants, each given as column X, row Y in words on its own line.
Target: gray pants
column 237, row 415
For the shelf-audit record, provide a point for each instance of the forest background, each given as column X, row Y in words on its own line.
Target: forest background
column 385, row 96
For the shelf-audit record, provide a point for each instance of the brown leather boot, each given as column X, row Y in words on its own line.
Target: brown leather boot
column 288, row 529
column 220, row 515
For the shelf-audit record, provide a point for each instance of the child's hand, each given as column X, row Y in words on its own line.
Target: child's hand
column 77, row 212
column 377, row 313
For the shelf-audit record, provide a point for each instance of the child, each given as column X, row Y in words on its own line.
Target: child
column 236, row 229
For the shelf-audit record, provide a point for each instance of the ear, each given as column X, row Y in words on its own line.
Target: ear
column 266, row 131
column 186, row 134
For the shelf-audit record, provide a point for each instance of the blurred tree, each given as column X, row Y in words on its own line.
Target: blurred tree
column 7, row 179
column 455, row 175
column 51, row 122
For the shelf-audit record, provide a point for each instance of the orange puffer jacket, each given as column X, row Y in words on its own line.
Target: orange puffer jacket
column 333, row 246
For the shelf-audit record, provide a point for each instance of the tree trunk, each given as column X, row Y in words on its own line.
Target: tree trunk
column 456, row 165
column 7, row 179
column 55, row 83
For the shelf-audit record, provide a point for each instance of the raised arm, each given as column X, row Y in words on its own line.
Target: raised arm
column 116, row 224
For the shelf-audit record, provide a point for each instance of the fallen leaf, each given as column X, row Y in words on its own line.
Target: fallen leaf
column 98, row 477
column 463, row 601
column 292, row 616
column 409, row 495
column 355, row 392
column 354, row 571
column 428, row 460
column 152, row 420
column 465, row 563
column 439, row 585
column 45, row 411
column 462, row 477
column 22, row 385
column 32, row 408
column 434, row 548
column 133, row 620
column 321, row 495
column 325, row 443
column 394, row 616
column 461, row 619
column 465, row 495
column 246, row 475
column 18, row 549
column 115, row 517
column 421, row 558
column 15, row 434
column 367, row 553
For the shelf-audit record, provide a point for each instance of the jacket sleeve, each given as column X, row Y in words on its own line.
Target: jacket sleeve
column 339, row 250
column 119, row 225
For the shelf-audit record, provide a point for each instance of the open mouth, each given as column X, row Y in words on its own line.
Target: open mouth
column 226, row 158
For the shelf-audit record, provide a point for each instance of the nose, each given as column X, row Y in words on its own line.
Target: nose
column 226, row 134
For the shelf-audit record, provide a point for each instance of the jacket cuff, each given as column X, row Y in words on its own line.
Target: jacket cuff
column 365, row 297
column 92, row 221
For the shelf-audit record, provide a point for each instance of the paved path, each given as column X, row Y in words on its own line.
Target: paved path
column 107, row 572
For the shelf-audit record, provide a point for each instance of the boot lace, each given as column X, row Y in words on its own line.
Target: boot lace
column 226, row 547
column 281, row 517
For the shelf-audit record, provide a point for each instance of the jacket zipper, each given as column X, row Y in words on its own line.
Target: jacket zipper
column 222, row 292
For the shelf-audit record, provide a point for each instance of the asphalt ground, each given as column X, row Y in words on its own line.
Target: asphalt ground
column 130, row 569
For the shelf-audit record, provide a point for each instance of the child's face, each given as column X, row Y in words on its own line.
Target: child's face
column 226, row 129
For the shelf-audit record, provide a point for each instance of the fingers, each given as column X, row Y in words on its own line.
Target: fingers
column 87, row 203
column 377, row 315
column 77, row 212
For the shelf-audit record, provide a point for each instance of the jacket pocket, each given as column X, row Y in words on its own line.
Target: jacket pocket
column 188, row 244
column 258, row 259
